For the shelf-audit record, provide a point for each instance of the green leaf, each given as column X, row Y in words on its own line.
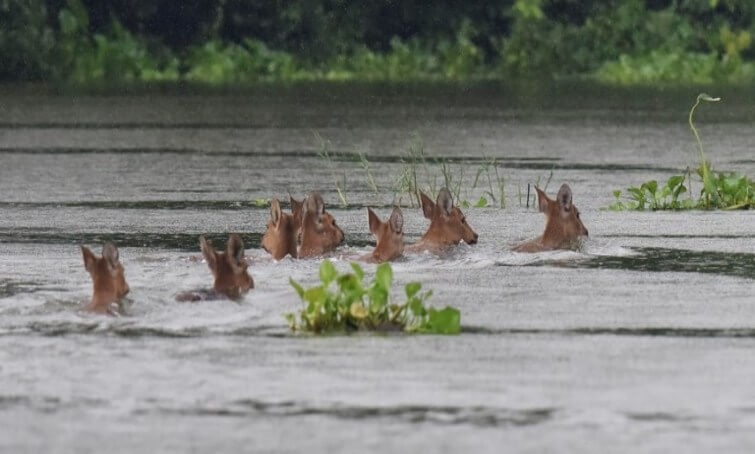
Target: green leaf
column 412, row 288
column 481, row 203
column 351, row 286
column 315, row 295
column 638, row 193
column 327, row 272
column 444, row 321
column 651, row 186
column 378, row 299
column 357, row 270
column 675, row 181
column 384, row 275
column 617, row 193
column 299, row 289
column 415, row 305
column 681, row 189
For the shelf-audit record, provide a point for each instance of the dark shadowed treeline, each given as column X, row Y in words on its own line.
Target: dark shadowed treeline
column 239, row 41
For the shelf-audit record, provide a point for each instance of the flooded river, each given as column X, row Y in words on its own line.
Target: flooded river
column 642, row 341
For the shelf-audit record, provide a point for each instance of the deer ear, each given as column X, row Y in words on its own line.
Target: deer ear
column 296, row 208
column 397, row 220
column 89, row 259
column 542, row 200
column 315, row 204
column 208, row 252
column 445, row 201
column 427, row 205
column 235, row 250
column 374, row 221
column 110, row 254
column 564, row 197
column 275, row 211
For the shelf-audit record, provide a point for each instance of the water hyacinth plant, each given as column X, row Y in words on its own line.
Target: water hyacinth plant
column 650, row 196
column 343, row 302
column 722, row 190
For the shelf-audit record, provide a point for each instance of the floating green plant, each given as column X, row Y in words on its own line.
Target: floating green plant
column 342, row 302
column 261, row 202
column 722, row 190
column 649, row 195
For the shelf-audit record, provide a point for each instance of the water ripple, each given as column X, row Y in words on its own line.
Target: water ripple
column 478, row 416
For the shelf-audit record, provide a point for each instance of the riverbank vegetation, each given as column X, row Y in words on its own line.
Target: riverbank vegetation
column 236, row 42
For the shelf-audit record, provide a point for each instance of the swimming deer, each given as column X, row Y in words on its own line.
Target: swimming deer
column 319, row 232
column 232, row 280
column 108, row 278
column 448, row 225
column 389, row 234
column 282, row 231
column 563, row 227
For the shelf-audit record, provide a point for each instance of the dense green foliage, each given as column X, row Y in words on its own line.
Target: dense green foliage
column 723, row 190
column 343, row 303
column 236, row 41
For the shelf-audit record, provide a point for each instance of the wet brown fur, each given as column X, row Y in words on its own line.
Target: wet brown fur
column 389, row 234
column 448, row 225
column 108, row 278
column 319, row 232
column 229, row 268
column 563, row 226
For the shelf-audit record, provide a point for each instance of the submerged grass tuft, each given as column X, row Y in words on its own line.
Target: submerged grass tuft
column 420, row 173
column 325, row 154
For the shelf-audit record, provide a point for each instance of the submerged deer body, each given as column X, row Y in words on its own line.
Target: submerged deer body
column 389, row 234
column 229, row 269
column 563, row 227
column 319, row 231
column 448, row 225
column 108, row 278
column 282, row 231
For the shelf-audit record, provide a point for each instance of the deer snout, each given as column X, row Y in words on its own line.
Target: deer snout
column 474, row 239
